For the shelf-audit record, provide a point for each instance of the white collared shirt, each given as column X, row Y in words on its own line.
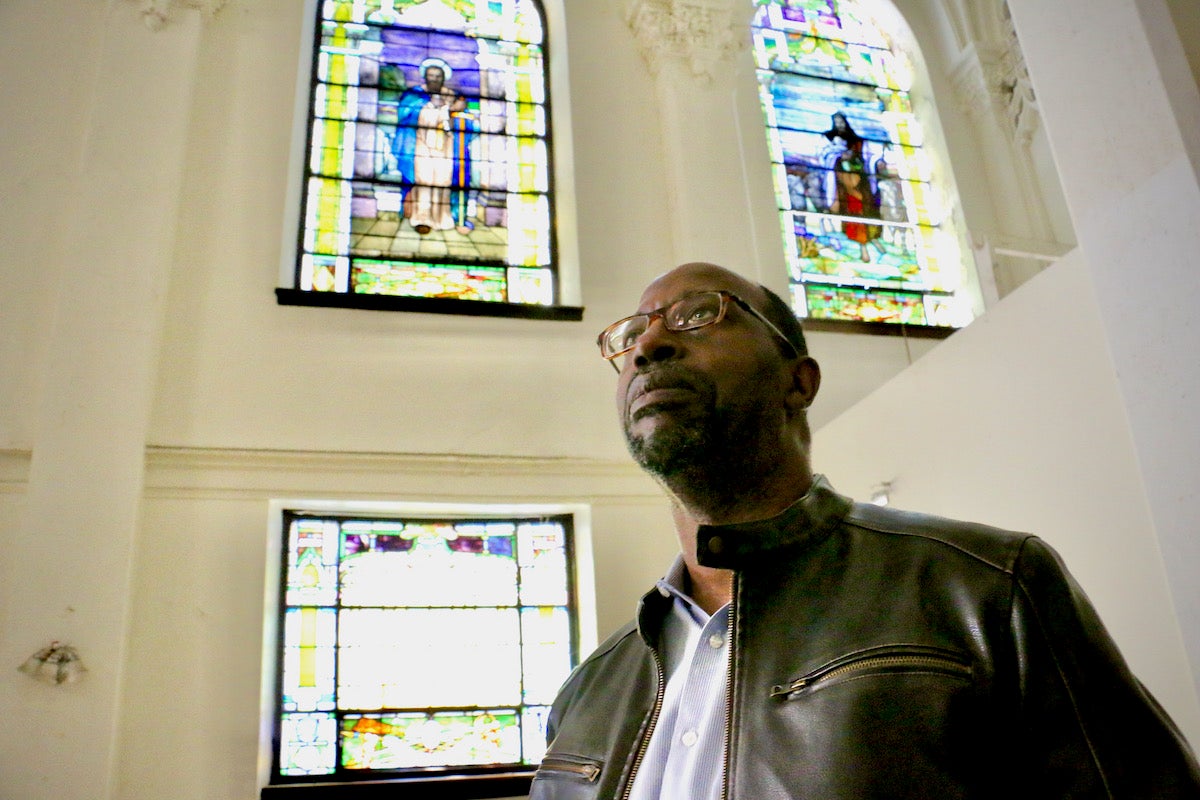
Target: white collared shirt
column 685, row 757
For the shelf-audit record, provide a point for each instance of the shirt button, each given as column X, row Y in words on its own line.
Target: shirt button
column 716, row 641
column 689, row 738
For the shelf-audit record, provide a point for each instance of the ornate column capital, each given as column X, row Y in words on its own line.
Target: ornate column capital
column 974, row 78
column 1015, row 89
column 991, row 77
column 699, row 34
column 157, row 14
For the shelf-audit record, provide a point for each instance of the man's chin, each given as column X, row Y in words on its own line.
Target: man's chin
column 668, row 449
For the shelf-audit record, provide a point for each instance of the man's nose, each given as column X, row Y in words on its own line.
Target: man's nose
column 655, row 344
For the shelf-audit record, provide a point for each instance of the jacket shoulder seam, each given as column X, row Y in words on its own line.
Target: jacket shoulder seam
column 1012, row 549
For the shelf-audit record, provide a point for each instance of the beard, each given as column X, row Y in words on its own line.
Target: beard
column 714, row 454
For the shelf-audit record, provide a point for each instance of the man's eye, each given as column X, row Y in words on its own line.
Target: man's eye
column 698, row 315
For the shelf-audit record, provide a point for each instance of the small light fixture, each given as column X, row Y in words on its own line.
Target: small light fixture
column 55, row 664
column 881, row 494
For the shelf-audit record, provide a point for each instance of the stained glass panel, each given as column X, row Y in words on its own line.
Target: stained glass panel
column 865, row 233
column 400, row 741
column 410, row 643
column 428, row 158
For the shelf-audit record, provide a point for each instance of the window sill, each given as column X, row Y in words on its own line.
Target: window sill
column 464, row 787
column 876, row 328
column 427, row 305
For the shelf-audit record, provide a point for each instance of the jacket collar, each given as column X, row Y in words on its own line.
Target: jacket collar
column 805, row 521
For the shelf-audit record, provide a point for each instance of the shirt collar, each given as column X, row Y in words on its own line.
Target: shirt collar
column 672, row 585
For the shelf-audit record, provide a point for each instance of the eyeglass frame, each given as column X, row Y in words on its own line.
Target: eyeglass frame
column 660, row 313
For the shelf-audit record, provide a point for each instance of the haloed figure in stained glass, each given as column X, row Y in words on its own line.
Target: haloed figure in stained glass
column 853, row 195
column 432, row 151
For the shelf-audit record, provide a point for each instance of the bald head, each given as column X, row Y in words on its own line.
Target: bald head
column 768, row 303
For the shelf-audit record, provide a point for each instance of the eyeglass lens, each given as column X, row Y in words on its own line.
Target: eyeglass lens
column 693, row 311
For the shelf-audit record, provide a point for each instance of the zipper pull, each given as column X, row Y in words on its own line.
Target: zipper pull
column 780, row 690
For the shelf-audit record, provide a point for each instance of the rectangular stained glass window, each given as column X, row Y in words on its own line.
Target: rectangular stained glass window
column 428, row 161
column 420, row 646
column 866, row 234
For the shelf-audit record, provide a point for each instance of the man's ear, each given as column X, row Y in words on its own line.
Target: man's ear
column 806, row 380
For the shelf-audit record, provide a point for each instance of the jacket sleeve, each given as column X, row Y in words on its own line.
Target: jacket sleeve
column 1087, row 727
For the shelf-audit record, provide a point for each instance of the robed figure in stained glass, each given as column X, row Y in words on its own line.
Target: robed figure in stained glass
column 433, row 153
column 853, row 195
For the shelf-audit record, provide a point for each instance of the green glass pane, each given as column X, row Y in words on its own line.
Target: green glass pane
column 408, row 279
column 833, row 302
column 398, row 741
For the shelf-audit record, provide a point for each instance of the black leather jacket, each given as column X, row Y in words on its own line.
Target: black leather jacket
column 884, row 654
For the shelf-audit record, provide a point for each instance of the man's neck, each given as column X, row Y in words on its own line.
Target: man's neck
column 720, row 503
column 712, row 588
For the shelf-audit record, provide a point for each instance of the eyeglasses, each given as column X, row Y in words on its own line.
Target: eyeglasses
column 685, row 314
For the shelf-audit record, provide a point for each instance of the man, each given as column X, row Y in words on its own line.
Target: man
column 805, row 646
column 432, row 153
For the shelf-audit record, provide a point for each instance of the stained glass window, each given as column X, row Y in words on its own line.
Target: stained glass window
column 420, row 646
column 428, row 160
column 865, row 231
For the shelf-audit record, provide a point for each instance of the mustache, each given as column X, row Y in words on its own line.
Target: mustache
column 664, row 377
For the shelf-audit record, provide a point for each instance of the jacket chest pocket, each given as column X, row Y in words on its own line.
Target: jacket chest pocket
column 890, row 660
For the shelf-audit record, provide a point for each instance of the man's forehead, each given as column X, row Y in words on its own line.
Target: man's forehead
column 692, row 278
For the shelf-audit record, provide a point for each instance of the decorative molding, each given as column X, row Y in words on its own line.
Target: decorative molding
column 1015, row 89
column 991, row 76
column 157, row 14
column 224, row 473
column 697, row 33
column 972, row 80
column 238, row 472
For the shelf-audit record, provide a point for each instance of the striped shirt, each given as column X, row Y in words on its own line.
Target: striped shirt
column 684, row 760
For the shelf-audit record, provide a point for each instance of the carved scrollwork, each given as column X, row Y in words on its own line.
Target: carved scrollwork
column 991, row 76
column 157, row 14
column 698, row 33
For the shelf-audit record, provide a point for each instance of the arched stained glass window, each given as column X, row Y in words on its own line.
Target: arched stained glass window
column 866, row 235
column 428, row 165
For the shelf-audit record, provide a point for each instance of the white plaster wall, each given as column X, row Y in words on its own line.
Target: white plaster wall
column 1138, row 230
column 1018, row 421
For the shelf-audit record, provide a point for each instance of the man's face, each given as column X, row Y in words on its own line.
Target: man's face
column 692, row 400
column 435, row 78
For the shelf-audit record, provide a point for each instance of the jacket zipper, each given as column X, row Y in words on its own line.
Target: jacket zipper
column 588, row 772
column 729, row 641
column 660, row 674
column 929, row 661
